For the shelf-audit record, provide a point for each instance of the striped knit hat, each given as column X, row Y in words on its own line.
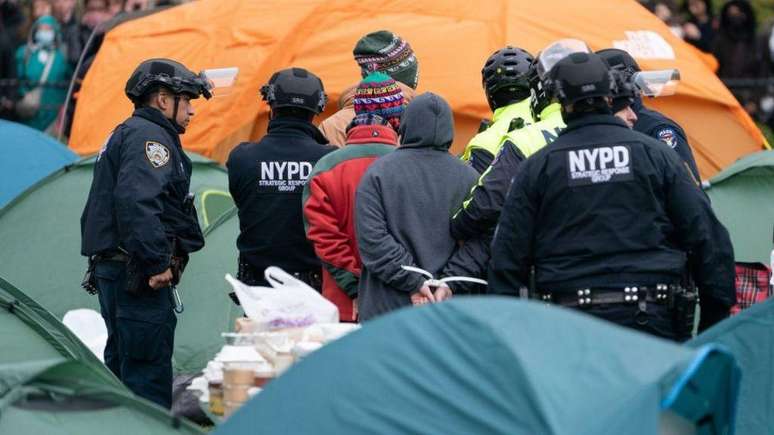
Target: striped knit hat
column 379, row 94
column 387, row 52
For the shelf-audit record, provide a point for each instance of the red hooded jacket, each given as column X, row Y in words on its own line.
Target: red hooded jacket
column 329, row 204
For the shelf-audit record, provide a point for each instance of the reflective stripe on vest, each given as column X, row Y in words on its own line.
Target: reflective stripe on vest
column 528, row 140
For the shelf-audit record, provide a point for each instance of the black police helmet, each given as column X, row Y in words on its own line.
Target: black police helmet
column 581, row 76
column 505, row 76
column 624, row 67
column 626, row 92
column 154, row 73
column 619, row 59
column 295, row 87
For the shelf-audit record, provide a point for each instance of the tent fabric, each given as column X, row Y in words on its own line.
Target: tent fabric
column 742, row 199
column 73, row 398
column 34, row 340
column 498, row 366
column 50, row 383
column 27, row 156
column 451, row 39
column 208, row 309
column 749, row 336
column 40, row 243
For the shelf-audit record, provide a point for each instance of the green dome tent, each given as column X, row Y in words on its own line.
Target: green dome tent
column 40, row 244
column 50, row 383
column 34, row 340
column 742, row 198
column 496, row 365
column 72, row 398
column 749, row 336
column 208, row 309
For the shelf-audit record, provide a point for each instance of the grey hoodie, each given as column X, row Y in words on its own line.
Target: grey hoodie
column 402, row 210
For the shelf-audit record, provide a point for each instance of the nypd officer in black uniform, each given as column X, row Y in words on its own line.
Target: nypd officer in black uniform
column 267, row 180
column 651, row 122
column 139, row 226
column 609, row 219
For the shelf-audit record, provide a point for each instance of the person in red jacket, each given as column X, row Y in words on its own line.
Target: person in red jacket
column 329, row 195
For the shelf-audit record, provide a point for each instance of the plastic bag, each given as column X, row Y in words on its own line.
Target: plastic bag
column 89, row 327
column 288, row 303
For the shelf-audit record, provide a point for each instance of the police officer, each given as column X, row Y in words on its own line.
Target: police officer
column 605, row 216
column 479, row 212
column 505, row 78
column 651, row 122
column 481, row 209
column 139, row 225
column 267, row 180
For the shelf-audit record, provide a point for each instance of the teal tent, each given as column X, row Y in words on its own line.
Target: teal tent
column 50, row 383
column 493, row 365
column 40, row 244
column 742, row 199
column 749, row 336
column 26, row 157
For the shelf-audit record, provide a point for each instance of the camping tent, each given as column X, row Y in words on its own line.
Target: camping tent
column 26, row 157
column 498, row 366
column 742, row 198
column 208, row 309
column 749, row 336
column 40, row 242
column 51, row 383
column 73, row 398
column 451, row 38
column 34, row 340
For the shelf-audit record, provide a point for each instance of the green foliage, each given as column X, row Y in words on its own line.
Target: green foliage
column 767, row 132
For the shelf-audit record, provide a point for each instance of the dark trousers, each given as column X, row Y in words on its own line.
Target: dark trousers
column 141, row 332
column 656, row 320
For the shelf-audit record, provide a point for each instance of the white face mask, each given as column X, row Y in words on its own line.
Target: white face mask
column 44, row 37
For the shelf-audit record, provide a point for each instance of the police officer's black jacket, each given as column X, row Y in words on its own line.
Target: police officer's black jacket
column 137, row 197
column 658, row 126
column 607, row 206
column 267, row 180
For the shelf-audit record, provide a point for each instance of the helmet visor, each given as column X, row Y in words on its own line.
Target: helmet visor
column 558, row 51
column 220, row 81
column 658, row 83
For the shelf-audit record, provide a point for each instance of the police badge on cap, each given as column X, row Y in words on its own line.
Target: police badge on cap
column 668, row 136
column 157, row 154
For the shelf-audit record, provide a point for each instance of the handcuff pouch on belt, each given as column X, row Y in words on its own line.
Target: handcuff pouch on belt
column 683, row 308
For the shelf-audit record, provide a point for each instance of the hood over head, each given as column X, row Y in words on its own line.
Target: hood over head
column 427, row 122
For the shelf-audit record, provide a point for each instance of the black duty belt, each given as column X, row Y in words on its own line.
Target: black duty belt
column 112, row 256
column 587, row 297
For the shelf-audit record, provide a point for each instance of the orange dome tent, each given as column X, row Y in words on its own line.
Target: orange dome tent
column 452, row 38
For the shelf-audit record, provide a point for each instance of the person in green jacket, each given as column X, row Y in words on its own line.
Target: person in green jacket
column 505, row 78
column 43, row 47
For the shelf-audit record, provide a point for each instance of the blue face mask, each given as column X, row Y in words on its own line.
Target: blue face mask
column 44, row 37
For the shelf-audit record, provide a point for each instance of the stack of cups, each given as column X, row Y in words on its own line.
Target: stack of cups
column 263, row 374
column 238, row 378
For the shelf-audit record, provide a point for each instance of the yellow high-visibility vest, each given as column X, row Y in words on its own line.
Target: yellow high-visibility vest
column 491, row 138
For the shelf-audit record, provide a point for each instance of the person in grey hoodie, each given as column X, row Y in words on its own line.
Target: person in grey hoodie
column 402, row 209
